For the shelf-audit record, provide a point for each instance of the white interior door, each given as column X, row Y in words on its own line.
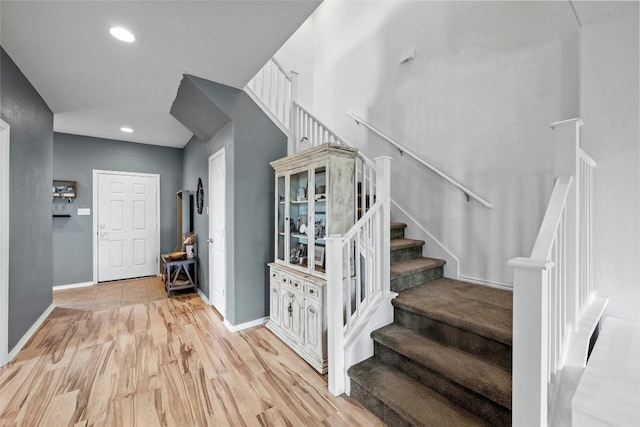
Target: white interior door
column 127, row 225
column 4, row 242
column 217, row 256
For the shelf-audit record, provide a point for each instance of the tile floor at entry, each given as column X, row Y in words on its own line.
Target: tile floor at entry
column 108, row 295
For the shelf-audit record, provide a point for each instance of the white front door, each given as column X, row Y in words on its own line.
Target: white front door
column 4, row 242
column 127, row 225
column 217, row 272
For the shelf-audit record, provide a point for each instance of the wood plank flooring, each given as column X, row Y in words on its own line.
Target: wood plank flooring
column 161, row 362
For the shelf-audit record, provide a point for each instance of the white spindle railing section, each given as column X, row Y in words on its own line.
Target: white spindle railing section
column 309, row 131
column 276, row 90
column 551, row 287
column 358, row 281
column 587, row 168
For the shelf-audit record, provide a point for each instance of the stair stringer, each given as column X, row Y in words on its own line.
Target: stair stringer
column 433, row 248
column 359, row 344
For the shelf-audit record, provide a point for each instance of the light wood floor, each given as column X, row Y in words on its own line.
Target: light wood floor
column 161, row 362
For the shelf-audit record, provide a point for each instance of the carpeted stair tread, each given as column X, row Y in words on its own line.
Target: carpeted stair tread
column 485, row 311
column 416, row 403
column 463, row 368
column 405, row 243
column 398, row 225
column 410, row 266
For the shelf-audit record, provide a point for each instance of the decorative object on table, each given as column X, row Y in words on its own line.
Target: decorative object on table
column 199, row 197
column 189, row 243
column 173, row 256
column 303, row 229
column 292, row 226
column 301, row 194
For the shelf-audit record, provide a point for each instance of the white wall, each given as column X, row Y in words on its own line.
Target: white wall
column 609, row 108
column 487, row 79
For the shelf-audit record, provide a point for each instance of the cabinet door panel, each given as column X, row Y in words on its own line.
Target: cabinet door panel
column 275, row 303
column 292, row 318
column 313, row 327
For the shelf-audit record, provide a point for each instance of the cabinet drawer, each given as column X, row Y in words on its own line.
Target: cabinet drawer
column 312, row 290
column 295, row 283
column 274, row 275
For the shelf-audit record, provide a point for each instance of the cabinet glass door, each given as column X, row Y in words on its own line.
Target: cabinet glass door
column 319, row 218
column 280, row 221
column 298, row 219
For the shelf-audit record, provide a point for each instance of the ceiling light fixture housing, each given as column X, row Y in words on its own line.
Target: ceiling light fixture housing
column 122, row 34
column 126, row 129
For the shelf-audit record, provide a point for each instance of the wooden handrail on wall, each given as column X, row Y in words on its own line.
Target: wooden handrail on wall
column 470, row 194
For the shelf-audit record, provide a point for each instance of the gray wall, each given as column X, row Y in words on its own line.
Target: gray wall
column 30, row 269
column 74, row 158
column 251, row 141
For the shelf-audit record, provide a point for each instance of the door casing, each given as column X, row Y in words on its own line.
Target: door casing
column 4, row 242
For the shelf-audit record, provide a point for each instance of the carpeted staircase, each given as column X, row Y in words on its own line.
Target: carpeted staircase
column 446, row 359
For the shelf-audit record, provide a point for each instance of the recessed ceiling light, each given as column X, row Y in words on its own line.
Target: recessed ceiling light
column 122, row 34
column 126, row 129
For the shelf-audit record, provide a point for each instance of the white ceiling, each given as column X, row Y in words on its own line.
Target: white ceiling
column 96, row 84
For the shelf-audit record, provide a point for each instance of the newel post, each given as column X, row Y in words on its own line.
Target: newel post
column 566, row 140
column 530, row 341
column 335, row 322
column 293, row 123
column 383, row 192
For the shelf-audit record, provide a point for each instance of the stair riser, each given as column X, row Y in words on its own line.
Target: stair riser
column 473, row 402
column 397, row 233
column 496, row 352
column 414, row 279
column 377, row 407
column 406, row 253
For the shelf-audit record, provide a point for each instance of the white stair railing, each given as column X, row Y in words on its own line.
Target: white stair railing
column 358, row 283
column 275, row 91
column 552, row 286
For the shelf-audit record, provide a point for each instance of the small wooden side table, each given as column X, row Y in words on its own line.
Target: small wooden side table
column 172, row 270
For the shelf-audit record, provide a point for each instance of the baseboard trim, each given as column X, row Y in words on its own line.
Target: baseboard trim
column 504, row 286
column 32, row 330
column 72, row 285
column 246, row 325
column 203, row 296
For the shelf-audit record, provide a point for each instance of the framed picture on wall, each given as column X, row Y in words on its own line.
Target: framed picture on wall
column 319, row 256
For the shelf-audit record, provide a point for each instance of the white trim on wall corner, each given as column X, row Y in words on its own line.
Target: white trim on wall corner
column 4, row 241
column 32, row 330
column 73, row 285
column 246, row 325
column 489, row 283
